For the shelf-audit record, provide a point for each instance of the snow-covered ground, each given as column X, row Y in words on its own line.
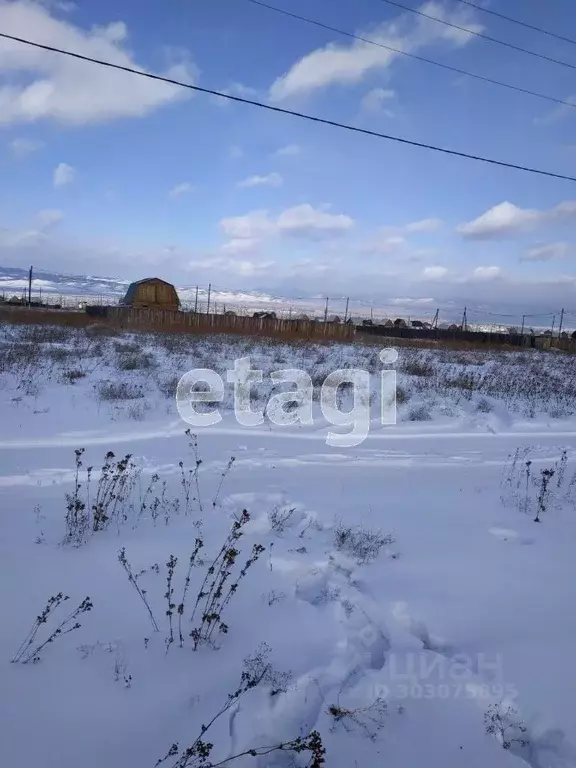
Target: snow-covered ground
column 400, row 599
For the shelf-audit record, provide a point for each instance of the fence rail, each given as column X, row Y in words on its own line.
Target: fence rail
column 566, row 344
column 130, row 318
column 168, row 320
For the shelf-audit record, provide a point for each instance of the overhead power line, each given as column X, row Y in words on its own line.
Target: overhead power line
column 517, row 21
column 480, row 34
column 281, row 110
column 411, row 55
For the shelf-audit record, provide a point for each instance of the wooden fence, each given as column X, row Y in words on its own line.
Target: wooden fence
column 133, row 318
column 474, row 337
column 43, row 316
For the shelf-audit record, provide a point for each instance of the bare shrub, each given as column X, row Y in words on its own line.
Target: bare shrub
column 368, row 720
column 119, row 390
column 127, row 347
column 419, row 413
column 45, row 334
column 280, row 517
column 58, row 354
column 30, row 649
column 174, row 343
column 220, row 584
column 484, row 406
column 133, row 579
column 89, row 513
column 19, row 357
column 168, row 385
column 504, row 723
column 417, row 367
column 137, row 411
column 257, row 671
column 464, row 381
column 137, row 361
column 363, row 544
column 402, row 396
column 99, row 330
column 73, row 375
column 546, row 476
column 223, row 475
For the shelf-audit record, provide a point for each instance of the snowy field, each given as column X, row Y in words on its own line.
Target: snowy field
column 393, row 603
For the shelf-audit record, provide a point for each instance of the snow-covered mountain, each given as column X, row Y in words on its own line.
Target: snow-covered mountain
column 14, row 282
column 71, row 290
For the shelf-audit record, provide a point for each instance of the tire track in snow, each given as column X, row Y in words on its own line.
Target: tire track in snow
column 176, row 429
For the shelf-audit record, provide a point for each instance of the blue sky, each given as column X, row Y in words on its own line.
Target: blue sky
column 106, row 173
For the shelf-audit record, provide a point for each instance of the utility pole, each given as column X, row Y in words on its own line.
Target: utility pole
column 208, row 304
column 30, row 287
column 553, row 324
column 346, row 310
column 561, row 321
column 523, row 319
column 326, row 311
column 371, row 314
column 435, row 321
column 464, row 321
column 196, row 301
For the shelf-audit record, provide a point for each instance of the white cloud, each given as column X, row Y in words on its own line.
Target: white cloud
column 241, row 245
column 435, row 273
column 558, row 113
column 49, row 217
column 507, row 219
column 253, row 225
column 385, row 245
column 546, row 252
column 45, row 86
column 63, row 174
column 21, row 147
column 290, row 150
column 375, row 100
column 271, row 180
column 181, row 189
column 235, row 89
column 350, row 63
column 486, row 273
column 421, row 226
column 242, row 267
column 301, row 220
column 306, row 220
column 61, row 5
column 424, row 225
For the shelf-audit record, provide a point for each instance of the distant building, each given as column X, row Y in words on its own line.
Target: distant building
column 265, row 315
column 151, row 293
column 399, row 323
